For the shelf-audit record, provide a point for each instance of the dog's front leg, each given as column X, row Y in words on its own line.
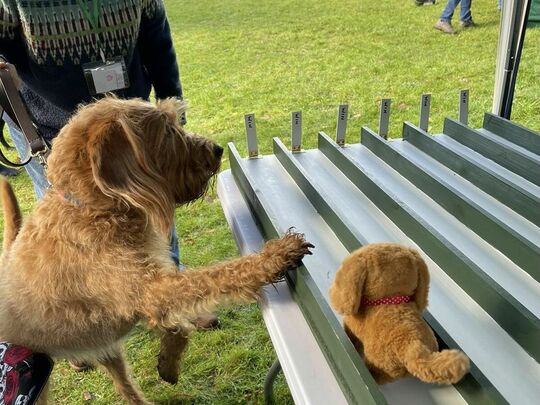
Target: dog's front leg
column 116, row 366
column 171, row 297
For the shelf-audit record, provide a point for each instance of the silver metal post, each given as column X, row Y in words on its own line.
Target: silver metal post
column 425, row 105
column 296, row 131
column 384, row 117
column 251, row 133
column 341, row 128
column 464, row 107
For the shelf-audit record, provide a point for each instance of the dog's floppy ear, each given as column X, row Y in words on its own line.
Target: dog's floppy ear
column 421, row 294
column 122, row 169
column 346, row 290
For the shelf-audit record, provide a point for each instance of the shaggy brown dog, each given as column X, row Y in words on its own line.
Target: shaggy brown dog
column 394, row 339
column 93, row 259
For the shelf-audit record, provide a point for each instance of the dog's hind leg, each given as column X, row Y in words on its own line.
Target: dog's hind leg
column 173, row 345
column 116, row 366
column 170, row 297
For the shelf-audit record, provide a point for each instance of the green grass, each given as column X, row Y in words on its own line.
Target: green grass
column 271, row 58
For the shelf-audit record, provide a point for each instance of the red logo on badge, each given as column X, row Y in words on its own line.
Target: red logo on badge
column 109, row 77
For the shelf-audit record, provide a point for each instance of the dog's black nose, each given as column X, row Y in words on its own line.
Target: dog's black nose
column 218, row 151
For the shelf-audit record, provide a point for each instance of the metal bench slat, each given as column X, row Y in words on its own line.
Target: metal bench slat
column 513, row 132
column 510, row 233
column 514, row 158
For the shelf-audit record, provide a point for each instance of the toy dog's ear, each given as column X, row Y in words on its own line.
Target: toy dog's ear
column 421, row 294
column 346, row 290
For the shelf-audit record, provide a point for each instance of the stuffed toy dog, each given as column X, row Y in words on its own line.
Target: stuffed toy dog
column 382, row 289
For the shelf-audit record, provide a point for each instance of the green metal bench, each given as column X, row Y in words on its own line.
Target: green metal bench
column 468, row 199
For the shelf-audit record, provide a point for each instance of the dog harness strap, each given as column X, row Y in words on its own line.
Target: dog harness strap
column 395, row 300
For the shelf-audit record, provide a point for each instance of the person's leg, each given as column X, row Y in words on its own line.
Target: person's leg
column 175, row 250
column 444, row 23
column 465, row 11
column 34, row 169
column 448, row 11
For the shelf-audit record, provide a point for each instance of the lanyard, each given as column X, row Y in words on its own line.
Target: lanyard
column 93, row 14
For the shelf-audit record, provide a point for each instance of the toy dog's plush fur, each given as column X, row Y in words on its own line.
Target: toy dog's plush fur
column 394, row 339
column 93, row 258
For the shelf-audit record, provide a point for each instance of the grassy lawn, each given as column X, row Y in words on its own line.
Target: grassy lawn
column 271, row 58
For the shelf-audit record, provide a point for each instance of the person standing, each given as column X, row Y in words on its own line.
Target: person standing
column 465, row 18
column 67, row 53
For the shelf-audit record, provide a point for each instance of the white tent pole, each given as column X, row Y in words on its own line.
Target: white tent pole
column 511, row 35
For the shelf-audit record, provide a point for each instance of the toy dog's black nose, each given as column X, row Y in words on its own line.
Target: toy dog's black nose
column 218, row 151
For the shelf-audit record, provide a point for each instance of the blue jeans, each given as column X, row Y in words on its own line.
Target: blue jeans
column 39, row 180
column 465, row 12
column 34, row 169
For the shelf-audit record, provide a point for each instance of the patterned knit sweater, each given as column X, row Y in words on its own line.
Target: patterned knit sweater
column 49, row 40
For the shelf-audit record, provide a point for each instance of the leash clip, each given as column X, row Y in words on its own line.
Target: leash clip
column 41, row 156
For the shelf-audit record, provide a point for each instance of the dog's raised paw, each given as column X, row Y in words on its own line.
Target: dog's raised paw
column 291, row 249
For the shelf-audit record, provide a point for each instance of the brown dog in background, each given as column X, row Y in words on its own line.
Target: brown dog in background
column 93, row 258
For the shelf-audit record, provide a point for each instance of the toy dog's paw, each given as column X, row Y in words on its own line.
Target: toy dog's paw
column 458, row 365
column 445, row 367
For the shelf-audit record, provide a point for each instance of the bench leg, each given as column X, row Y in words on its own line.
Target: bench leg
column 269, row 382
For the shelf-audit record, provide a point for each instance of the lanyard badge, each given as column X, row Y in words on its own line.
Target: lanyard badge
column 108, row 74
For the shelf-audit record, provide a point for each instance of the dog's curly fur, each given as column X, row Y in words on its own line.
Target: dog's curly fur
column 394, row 339
column 93, row 258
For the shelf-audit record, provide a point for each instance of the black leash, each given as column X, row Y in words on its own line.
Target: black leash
column 11, row 102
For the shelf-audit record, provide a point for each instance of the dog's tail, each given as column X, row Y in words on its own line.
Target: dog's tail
column 12, row 213
column 444, row 367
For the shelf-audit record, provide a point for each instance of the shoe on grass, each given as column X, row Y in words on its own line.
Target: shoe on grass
column 467, row 24
column 444, row 26
column 206, row 322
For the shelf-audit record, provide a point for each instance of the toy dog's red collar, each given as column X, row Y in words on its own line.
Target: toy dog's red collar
column 395, row 300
